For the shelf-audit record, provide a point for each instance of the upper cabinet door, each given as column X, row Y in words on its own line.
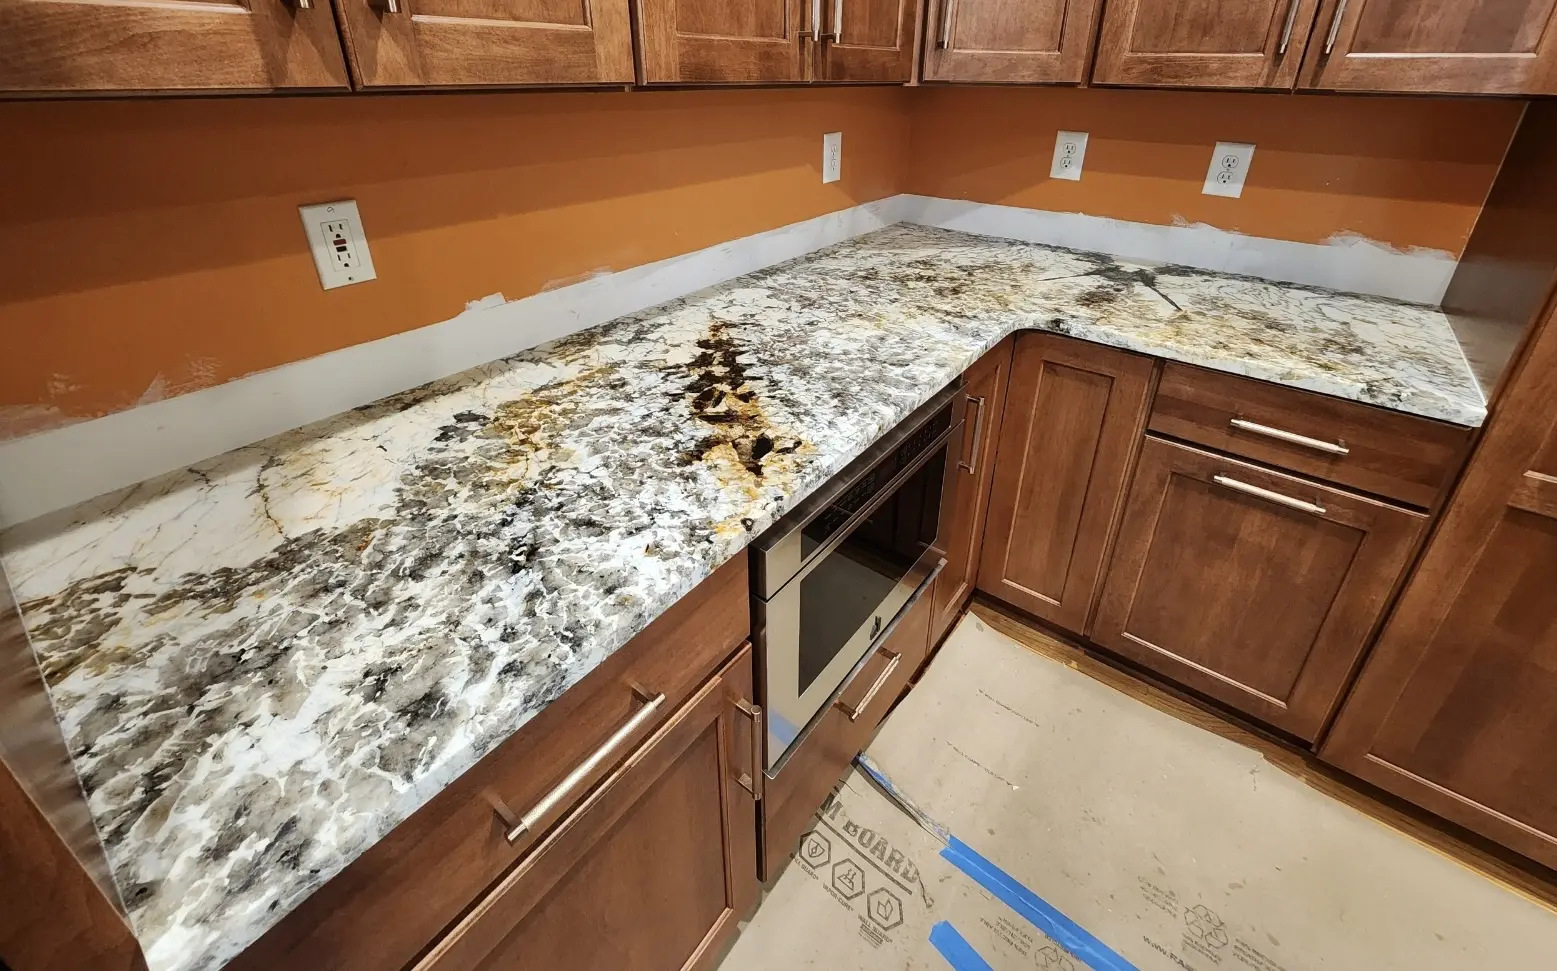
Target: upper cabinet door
column 868, row 40
column 1204, row 43
column 488, row 42
column 1451, row 46
column 1457, row 708
column 1009, row 40
column 697, row 41
column 63, row 46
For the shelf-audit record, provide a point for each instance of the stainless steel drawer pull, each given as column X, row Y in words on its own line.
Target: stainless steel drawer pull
column 1335, row 26
column 1268, row 496
column 753, row 783
column 971, row 464
column 943, row 38
column 560, row 792
column 1286, row 32
column 837, row 21
column 1329, row 448
column 881, row 679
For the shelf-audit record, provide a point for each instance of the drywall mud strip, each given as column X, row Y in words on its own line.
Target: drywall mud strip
column 1038, row 912
column 956, row 949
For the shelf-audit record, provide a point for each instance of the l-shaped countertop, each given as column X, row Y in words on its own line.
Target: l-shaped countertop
column 265, row 662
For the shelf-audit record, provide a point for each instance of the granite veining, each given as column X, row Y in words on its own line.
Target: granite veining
column 265, row 662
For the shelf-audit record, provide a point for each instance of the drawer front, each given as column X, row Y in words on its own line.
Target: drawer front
column 843, row 731
column 385, row 909
column 1375, row 450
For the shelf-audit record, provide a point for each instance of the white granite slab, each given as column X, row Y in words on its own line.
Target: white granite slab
column 267, row 661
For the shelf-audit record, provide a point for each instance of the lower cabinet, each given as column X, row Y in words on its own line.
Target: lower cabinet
column 964, row 509
column 1257, row 588
column 652, row 872
column 1073, row 421
column 1456, row 709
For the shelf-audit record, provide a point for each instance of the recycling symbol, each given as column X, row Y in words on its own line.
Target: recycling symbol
column 1051, row 958
column 885, row 909
column 815, row 849
column 1206, row 925
column 848, row 878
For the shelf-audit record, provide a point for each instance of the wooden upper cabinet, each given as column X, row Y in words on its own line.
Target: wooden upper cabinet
column 868, row 40
column 1072, row 426
column 64, row 46
column 1450, row 46
column 1254, row 587
column 1009, row 40
column 699, row 41
column 487, row 42
column 1204, row 43
column 1456, row 709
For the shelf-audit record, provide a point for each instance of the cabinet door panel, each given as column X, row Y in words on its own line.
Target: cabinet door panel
column 969, row 497
column 1455, row 709
column 1204, row 43
column 1071, row 428
column 651, row 873
column 868, row 40
column 488, row 42
column 1453, row 46
column 1264, row 604
column 689, row 41
column 78, row 47
column 1009, row 40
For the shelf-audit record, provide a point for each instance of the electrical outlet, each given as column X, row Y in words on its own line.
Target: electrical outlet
column 1070, row 150
column 340, row 248
column 1229, row 167
column 832, row 156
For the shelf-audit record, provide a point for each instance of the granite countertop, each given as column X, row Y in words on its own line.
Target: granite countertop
column 267, row 661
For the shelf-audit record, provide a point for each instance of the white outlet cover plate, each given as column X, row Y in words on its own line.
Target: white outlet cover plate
column 832, row 156
column 1070, row 150
column 338, row 265
column 1229, row 167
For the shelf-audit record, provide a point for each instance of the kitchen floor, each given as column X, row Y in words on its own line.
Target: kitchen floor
column 1032, row 807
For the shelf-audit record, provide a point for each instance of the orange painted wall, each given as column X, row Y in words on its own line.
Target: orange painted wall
column 1405, row 171
column 153, row 247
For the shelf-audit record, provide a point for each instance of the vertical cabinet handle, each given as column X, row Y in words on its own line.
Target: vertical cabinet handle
column 943, row 37
column 391, row 6
column 582, row 771
column 816, row 21
column 303, row 4
column 971, row 463
column 1286, row 32
column 1335, row 26
column 753, row 783
column 837, row 21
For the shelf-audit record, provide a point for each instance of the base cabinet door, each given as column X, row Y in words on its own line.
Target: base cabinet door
column 750, row 41
column 1203, row 43
column 968, row 500
column 868, row 40
column 1072, row 425
column 652, row 872
column 1456, row 709
column 66, row 46
column 1257, row 588
column 482, row 42
column 1448, row 46
column 1014, row 41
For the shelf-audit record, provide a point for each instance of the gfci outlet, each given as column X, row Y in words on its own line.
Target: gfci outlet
column 339, row 246
column 832, row 156
column 1070, row 150
column 1229, row 167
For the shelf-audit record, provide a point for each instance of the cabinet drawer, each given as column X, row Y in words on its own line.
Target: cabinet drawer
column 844, row 729
column 1375, row 450
column 389, row 905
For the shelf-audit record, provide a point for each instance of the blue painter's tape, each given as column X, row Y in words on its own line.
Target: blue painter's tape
column 956, row 950
column 1060, row 929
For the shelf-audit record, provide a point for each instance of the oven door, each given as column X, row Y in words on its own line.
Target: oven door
column 823, row 624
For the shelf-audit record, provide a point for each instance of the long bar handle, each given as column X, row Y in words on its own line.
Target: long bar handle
column 753, row 783
column 943, row 39
column 815, row 30
column 560, row 792
column 971, row 463
column 881, row 679
column 1318, row 445
column 837, row 32
column 1335, row 26
column 1268, row 496
column 1286, row 32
